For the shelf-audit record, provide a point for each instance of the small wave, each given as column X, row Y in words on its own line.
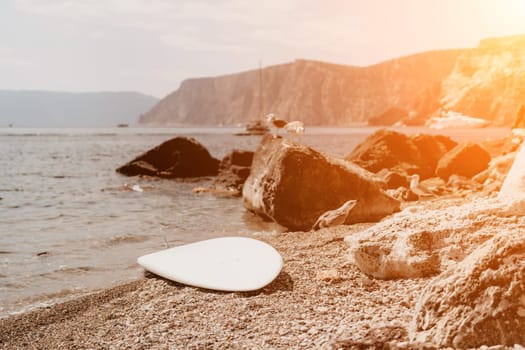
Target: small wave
column 11, row 190
column 13, row 285
column 78, row 270
column 51, row 218
column 40, row 301
column 124, row 239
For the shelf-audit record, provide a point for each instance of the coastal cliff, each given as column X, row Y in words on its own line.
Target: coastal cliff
column 317, row 93
column 488, row 82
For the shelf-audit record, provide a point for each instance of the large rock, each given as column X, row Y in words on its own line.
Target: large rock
column 293, row 185
column 466, row 160
column 176, row 158
column 387, row 149
column 419, row 243
column 481, row 301
column 433, row 147
column 233, row 171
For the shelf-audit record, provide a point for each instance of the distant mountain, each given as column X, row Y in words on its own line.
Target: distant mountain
column 65, row 109
column 317, row 93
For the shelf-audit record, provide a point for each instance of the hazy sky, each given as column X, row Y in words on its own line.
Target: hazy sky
column 152, row 45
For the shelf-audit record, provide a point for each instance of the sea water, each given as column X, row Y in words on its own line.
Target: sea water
column 69, row 223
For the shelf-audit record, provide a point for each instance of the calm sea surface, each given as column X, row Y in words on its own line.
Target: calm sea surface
column 69, row 226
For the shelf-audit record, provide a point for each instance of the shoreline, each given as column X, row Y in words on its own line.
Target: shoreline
column 318, row 301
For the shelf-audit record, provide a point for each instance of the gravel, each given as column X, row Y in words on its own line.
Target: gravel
column 319, row 301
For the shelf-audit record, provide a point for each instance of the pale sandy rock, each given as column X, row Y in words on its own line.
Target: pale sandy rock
column 421, row 243
column 480, row 301
column 331, row 276
column 294, row 185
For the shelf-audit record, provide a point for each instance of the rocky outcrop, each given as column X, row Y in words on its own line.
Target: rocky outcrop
column 389, row 117
column 179, row 157
column 294, row 185
column 395, row 151
column 233, row 171
column 466, row 160
column 316, row 93
column 421, row 243
column 481, row 301
column 489, row 81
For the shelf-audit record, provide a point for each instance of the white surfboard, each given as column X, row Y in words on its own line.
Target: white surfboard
column 226, row 264
column 514, row 184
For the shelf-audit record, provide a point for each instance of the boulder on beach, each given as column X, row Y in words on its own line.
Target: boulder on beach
column 433, row 147
column 179, row 157
column 234, row 170
column 422, row 243
column 387, row 149
column 467, row 159
column 480, row 301
column 294, row 185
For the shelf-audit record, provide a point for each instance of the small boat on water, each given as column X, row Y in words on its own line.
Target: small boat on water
column 254, row 128
column 122, row 125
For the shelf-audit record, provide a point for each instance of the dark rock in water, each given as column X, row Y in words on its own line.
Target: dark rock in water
column 294, row 185
column 466, row 160
column 386, row 149
column 234, row 170
column 177, row 158
column 480, row 301
column 138, row 167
